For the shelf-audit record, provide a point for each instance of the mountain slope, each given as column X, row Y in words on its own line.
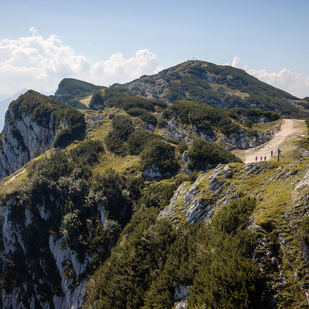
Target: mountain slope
column 216, row 85
column 201, row 81
column 145, row 180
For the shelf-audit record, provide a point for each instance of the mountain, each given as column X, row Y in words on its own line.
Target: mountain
column 216, row 85
column 139, row 203
column 5, row 103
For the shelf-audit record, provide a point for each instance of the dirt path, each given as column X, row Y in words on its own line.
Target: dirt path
column 289, row 130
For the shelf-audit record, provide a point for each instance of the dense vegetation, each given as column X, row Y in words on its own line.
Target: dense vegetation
column 202, row 116
column 159, row 153
column 127, row 103
column 203, row 153
column 71, row 196
column 145, row 269
column 104, row 97
column 115, row 140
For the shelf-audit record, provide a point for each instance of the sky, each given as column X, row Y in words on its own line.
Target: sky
column 104, row 42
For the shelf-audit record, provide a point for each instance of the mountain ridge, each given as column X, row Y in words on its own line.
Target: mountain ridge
column 140, row 204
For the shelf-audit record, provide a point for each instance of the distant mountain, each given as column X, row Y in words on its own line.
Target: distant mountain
column 216, row 85
column 71, row 91
column 5, row 103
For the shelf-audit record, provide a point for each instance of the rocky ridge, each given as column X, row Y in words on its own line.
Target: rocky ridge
column 283, row 262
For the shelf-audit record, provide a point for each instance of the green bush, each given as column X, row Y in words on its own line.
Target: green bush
column 143, row 114
column 182, row 146
column 138, row 140
column 103, row 97
column 253, row 132
column 87, row 152
column 162, row 123
column 247, row 123
column 122, row 128
column 203, row 153
column 202, row 116
column 133, row 102
column 161, row 153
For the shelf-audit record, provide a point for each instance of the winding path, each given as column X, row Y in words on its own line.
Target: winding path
column 289, row 130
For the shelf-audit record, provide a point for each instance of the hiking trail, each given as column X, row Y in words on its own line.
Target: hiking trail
column 290, row 129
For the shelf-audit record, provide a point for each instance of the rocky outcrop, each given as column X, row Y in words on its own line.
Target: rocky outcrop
column 246, row 139
column 49, row 275
column 23, row 140
column 243, row 139
column 198, row 201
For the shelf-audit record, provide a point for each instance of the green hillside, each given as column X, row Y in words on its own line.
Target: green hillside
column 226, row 253
column 215, row 85
column 71, row 91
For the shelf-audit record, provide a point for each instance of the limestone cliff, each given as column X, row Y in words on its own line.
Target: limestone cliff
column 32, row 123
column 23, row 140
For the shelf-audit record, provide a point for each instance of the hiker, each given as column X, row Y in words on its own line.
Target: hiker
column 256, row 159
column 271, row 153
column 265, row 158
column 261, row 159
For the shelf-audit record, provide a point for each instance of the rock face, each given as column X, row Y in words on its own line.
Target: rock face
column 32, row 295
column 190, row 204
column 243, row 139
column 23, row 140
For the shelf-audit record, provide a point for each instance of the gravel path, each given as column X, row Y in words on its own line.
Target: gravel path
column 289, row 130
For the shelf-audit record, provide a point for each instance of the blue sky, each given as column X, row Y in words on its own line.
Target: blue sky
column 116, row 41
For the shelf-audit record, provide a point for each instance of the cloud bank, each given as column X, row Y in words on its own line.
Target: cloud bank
column 40, row 64
column 293, row 83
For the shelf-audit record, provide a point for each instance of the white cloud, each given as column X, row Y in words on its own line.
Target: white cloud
column 286, row 80
column 236, row 62
column 40, row 64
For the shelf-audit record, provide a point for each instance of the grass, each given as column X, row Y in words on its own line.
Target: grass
column 271, row 126
column 86, row 100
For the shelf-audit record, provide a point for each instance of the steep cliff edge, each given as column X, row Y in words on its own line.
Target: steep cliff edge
column 32, row 123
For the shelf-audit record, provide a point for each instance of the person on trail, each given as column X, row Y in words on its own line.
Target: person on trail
column 261, row 159
column 256, row 159
column 271, row 153
column 265, row 158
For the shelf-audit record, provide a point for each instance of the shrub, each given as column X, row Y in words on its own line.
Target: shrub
column 143, row 114
column 122, row 128
column 87, row 152
column 247, row 123
column 203, row 153
column 103, row 97
column 161, row 153
column 202, row 116
column 133, row 102
column 162, row 123
column 182, row 146
column 138, row 140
